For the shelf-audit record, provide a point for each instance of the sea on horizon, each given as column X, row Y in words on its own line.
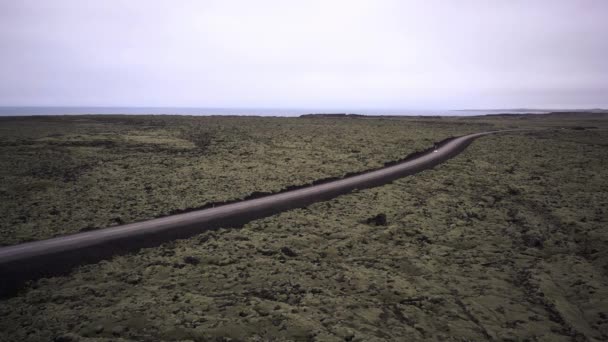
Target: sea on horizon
column 32, row 111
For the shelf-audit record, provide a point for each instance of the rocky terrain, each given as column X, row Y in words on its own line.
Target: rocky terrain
column 506, row 242
column 61, row 175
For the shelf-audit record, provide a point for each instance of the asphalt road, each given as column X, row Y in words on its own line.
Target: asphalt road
column 32, row 260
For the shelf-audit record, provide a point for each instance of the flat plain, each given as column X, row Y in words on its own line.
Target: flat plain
column 67, row 174
column 507, row 241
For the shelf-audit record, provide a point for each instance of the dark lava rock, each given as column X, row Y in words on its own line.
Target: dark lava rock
column 490, row 200
column 532, row 240
column 289, row 252
column 378, row 220
column 118, row 330
column 191, row 260
column 203, row 239
column 134, row 279
column 424, row 239
column 67, row 338
column 167, row 252
column 266, row 252
column 87, row 228
column 513, row 191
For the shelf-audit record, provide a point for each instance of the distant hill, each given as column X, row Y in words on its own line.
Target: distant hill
column 362, row 116
column 332, row 115
column 479, row 113
column 557, row 115
column 535, row 110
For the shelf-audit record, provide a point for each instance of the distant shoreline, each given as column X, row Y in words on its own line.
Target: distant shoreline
column 269, row 112
column 563, row 115
column 536, row 110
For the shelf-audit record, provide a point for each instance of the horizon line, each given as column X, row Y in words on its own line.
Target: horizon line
column 313, row 108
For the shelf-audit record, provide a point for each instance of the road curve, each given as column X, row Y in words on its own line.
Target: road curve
column 31, row 260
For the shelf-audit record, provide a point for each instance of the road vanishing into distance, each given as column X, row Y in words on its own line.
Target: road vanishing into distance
column 32, row 260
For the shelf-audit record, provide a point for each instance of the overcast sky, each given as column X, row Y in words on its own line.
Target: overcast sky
column 305, row 54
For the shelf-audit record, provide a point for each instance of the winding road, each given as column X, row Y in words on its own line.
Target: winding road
column 31, row 260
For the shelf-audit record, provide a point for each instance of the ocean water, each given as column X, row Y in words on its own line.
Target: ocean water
column 28, row 111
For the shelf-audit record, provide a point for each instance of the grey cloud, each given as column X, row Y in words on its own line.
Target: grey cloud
column 349, row 54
